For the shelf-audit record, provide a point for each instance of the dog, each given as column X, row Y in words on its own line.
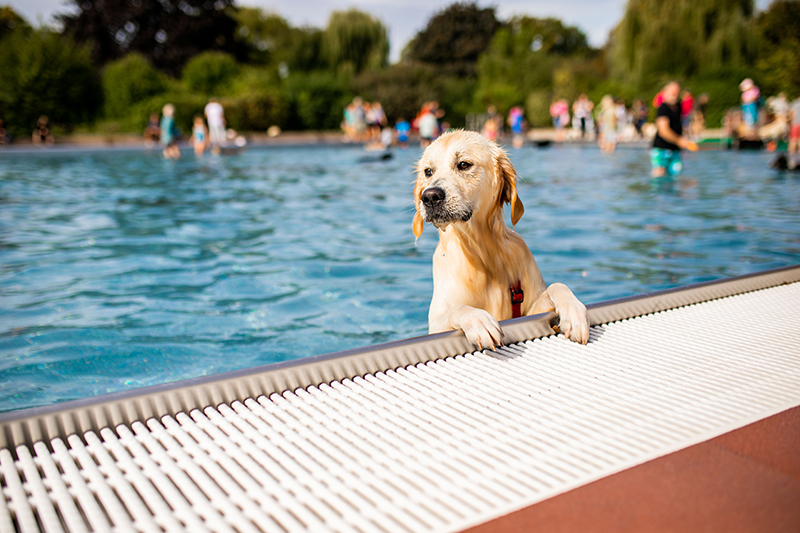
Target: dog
column 483, row 271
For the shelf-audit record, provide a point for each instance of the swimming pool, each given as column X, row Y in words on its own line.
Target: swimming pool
column 121, row 270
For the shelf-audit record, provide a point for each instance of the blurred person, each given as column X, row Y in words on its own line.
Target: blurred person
column 639, row 116
column 215, row 115
column 199, row 138
column 621, row 114
column 359, row 120
column 41, row 133
column 4, row 138
column 152, row 132
column 697, row 124
column 582, row 114
column 607, row 121
column 492, row 126
column 402, row 129
column 559, row 112
column 427, row 124
column 665, row 155
column 516, row 121
column 169, row 133
column 794, row 133
column 687, row 105
column 750, row 101
column 376, row 119
column 778, row 128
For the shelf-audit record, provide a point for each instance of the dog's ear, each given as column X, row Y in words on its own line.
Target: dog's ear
column 507, row 177
column 418, row 224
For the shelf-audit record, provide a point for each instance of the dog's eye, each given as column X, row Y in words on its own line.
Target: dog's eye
column 428, row 173
column 464, row 165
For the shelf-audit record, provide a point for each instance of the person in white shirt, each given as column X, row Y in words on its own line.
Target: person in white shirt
column 215, row 115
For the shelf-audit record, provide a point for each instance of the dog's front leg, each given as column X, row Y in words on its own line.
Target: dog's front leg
column 573, row 320
column 480, row 328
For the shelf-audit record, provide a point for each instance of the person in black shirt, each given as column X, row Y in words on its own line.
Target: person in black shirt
column 665, row 156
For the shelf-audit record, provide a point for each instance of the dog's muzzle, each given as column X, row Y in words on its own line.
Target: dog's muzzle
column 436, row 208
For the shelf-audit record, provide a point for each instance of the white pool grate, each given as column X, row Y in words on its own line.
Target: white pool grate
column 436, row 446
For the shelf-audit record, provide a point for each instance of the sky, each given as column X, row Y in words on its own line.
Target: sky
column 404, row 18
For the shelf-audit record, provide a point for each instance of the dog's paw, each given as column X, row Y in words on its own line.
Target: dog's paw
column 573, row 321
column 482, row 329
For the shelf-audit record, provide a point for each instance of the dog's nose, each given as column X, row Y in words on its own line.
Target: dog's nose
column 432, row 196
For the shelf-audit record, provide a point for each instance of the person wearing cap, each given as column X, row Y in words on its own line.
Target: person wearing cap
column 665, row 156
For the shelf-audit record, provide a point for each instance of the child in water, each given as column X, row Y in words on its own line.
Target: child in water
column 169, row 133
column 200, row 139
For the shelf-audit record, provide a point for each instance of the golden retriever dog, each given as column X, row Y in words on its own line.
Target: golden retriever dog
column 483, row 271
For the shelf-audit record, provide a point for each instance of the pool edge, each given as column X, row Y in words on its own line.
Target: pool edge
column 27, row 426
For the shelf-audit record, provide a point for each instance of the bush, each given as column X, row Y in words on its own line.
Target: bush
column 44, row 73
column 209, row 73
column 316, row 100
column 127, row 82
column 256, row 112
column 537, row 109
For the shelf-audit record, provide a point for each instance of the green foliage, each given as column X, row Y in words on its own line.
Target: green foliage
column 356, row 40
column 128, row 81
column 780, row 54
column 316, row 100
column 401, row 89
column 45, row 74
column 256, row 112
column 9, row 21
column 167, row 32
column 454, row 39
column 659, row 40
column 531, row 55
column 537, row 108
column 267, row 37
column 210, row 72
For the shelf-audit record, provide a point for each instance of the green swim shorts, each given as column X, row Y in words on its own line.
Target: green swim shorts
column 668, row 159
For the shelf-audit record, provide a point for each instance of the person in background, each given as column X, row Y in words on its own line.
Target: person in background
column 215, row 115
column 516, row 121
column 607, row 121
column 169, row 133
column 199, row 140
column 402, row 128
column 750, row 100
column 42, row 134
column 152, row 132
column 377, row 120
column 794, row 133
column 665, row 155
column 582, row 115
column 687, row 104
column 4, row 138
column 639, row 116
column 492, row 125
column 428, row 124
column 559, row 112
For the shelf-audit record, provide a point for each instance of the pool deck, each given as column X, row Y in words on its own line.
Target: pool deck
column 681, row 414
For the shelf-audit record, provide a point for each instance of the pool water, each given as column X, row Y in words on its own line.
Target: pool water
column 121, row 270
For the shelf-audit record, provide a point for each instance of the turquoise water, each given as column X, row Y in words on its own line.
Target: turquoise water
column 121, row 270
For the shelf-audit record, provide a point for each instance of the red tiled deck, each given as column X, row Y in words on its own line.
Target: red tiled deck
column 745, row 480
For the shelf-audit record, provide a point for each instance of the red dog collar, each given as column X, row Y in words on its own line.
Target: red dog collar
column 517, row 297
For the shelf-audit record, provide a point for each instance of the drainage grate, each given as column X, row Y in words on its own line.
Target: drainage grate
column 436, row 446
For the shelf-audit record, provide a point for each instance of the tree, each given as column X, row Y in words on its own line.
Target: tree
column 45, row 73
column 454, row 39
column 531, row 54
column 356, row 40
column 127, row 82
column 779, row 27
column 209, row 72
column 657, row 40
column 167, row 32
column 9, row 21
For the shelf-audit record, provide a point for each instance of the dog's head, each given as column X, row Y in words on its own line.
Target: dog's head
column 463, row 176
